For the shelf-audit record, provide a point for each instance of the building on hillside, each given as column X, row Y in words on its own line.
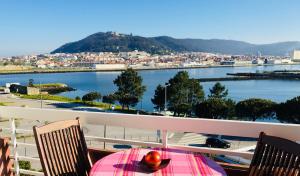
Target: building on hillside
column 134, row 54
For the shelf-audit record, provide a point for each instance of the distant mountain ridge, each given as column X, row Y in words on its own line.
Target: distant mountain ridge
column 114, row 42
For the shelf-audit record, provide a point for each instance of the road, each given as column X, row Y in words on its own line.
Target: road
column 13, row 100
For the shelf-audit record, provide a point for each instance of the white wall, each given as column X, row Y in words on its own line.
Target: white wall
column 109, row 66
column 296, row 54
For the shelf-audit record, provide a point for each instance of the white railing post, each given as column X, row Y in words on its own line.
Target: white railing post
column 158, row 132
column 14, row 142
column 104, row 135
column 165, row 138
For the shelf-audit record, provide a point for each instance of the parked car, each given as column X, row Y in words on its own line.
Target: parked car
column 217, row 143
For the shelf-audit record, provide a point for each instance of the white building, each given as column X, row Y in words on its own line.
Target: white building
column 41, row 66
column 257, row 61
column 295, row 55
column 272, row 61
column 227, row 62
column 242, row 62
column 134, row 54
column 110, row 66
column 7, row 85
column 286, row 61
column 191, row 64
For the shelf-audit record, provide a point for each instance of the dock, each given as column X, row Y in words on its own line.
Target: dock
column 274, row 75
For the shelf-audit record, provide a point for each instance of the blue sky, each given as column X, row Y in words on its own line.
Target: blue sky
column 39, row 26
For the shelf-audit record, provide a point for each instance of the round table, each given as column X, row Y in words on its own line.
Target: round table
column 182, row 163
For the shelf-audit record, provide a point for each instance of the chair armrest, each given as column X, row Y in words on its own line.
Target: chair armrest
column 97, row 154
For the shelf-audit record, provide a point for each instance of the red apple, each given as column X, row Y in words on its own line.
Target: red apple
column 153, row 159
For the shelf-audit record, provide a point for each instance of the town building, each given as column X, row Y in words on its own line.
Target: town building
column 14, row 88
column 109, row 66
column 295, row 56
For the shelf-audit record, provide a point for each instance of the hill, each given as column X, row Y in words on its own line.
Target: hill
column 113, row 42
column 110, row 42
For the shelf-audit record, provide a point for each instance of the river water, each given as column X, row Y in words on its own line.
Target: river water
column 277, row 90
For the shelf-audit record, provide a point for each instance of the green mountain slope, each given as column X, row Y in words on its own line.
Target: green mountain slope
column 112, row 42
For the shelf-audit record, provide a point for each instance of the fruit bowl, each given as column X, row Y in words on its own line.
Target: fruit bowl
column 148, row 168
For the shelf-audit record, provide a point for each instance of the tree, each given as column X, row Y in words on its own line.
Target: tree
column 91, row 96
column 159, row 98
column 254, row 108
column 216, row 108
column 30, row 82
column 218, row 91
column 289, row 111
column 183, row 93
column 130, row 88
column 110, row 99
column 77, row 98
column 26, row 165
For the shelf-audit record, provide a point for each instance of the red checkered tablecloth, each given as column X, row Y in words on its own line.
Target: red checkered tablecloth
column 125, row 163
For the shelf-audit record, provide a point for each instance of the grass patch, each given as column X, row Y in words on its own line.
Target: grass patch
column 53, row 88
column 48, row 97
column 101, row 105
column 48, row 85
column 69, row 100
column 22, row 136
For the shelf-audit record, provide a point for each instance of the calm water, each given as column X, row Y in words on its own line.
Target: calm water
column 103, row 82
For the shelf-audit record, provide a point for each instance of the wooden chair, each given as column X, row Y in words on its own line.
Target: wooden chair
column 62, row 149
column 6, row 162
column 275, row 156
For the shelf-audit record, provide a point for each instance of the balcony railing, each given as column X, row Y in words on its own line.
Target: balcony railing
column 145, row 122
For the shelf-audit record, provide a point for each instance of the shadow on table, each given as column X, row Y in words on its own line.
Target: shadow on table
column 131, row 167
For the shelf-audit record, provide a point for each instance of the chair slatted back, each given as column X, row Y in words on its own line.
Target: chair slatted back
column 275, row 156
column 62, row 149
column 6, row 162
